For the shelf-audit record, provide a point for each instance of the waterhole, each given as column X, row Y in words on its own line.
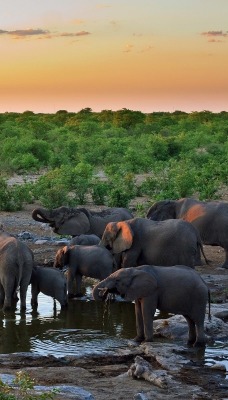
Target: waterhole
column 86, row 327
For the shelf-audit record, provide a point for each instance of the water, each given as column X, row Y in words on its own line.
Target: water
column 85, row 327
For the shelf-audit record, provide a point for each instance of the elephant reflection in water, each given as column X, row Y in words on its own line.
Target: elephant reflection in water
column 118, row 318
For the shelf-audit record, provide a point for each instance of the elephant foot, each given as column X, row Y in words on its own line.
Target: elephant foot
column 139, row 339
column 200, row 343
column 224, row 266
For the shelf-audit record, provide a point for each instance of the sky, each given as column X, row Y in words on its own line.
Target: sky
column 147, row 55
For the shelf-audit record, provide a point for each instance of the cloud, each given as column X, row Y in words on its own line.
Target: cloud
column 67, row 34
column 215, row 36
column 21, row 33
column 40, row 33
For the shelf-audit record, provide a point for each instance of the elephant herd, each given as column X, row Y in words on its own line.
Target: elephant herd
column 149, row 260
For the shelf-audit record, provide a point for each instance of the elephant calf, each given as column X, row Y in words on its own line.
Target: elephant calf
column 50, row 282
column 178, row 290
column 85, row 240
column 92, row 261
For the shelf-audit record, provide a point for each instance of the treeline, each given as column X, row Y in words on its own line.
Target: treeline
column 183, row 153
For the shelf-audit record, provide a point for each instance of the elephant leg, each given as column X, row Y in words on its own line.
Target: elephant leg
column 200, row 336
column 9, row 291
column 148, row 305
column 78, row 285
column 34, row 299
column 2, row 295
column 130, row 258
column 70, row 283
column 225, row 264
column 191, row 330
column 139, row 322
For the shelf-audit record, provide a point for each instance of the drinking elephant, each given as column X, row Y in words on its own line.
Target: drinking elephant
column 16, row 263
column 91, row 261
column 86, row 240
column 142, row 241
column 75, row 221
column 50, row 282
column 177, row 290
column 209, row 217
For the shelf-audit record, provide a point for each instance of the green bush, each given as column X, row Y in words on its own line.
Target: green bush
column 21, row 389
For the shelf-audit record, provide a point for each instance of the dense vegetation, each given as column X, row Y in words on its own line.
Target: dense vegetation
column 183, row 154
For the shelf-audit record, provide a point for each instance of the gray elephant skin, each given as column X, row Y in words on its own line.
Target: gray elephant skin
column 16, row 263
column 50, row 282
column 76, row 221
column 209, row 217
column 91, row 261
column 142, row 241
column 175, row 289
column 85, row 240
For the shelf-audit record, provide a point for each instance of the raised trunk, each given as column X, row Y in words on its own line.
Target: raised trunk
column 39, row 215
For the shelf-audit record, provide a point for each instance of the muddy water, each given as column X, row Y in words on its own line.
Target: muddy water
column 85, row 327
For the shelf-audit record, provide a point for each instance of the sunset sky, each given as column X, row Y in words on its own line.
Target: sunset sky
column 147, row 55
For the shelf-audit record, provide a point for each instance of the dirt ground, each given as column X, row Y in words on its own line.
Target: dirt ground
column 105, row 376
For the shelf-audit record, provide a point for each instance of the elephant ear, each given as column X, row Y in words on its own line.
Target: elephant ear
column 62, row 258
column 123, row 239
column 74, row 223
column 142, row 285
column 162, row 210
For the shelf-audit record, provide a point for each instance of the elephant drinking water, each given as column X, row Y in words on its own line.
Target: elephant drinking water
column 177, row 290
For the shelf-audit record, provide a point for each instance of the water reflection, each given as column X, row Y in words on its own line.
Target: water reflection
column 85, row 327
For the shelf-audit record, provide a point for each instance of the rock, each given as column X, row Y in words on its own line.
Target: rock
column 143, row 369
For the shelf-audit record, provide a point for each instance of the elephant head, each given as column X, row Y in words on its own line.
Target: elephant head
column 61, row 258
column 161, row 210
column 130, row 283
column 64, row 220
column 118, row 237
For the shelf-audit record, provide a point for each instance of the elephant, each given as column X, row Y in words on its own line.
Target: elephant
column 173, row 289
column 75, row 221
column 142, row 241
column 16, row 264
column 50, row 282
column 91, row 261
column 86, row 240
column 209, row 217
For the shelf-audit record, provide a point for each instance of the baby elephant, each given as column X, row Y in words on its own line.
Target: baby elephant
column 92, row 261
column 50, row 282
column 178, row 290
column 85, row 240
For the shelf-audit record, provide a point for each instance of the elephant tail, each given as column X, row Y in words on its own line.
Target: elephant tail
column 209, row 305
column 204, row 255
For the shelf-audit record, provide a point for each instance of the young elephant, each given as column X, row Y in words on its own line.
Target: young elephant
column 16, row 263
column 85, row 240
column 177, row 290
column 92, row 261
column 50, row 282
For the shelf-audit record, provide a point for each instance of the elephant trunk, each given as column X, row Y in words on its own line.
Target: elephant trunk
column 38, row 214
column 102, row 289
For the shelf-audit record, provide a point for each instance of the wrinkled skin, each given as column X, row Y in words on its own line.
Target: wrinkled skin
column 92, row 261
column 142, row 241
column 210, row 218
column 77, row 221
column 85, row 240
column 50, row 282
column 16, row 263
column 176, row 290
